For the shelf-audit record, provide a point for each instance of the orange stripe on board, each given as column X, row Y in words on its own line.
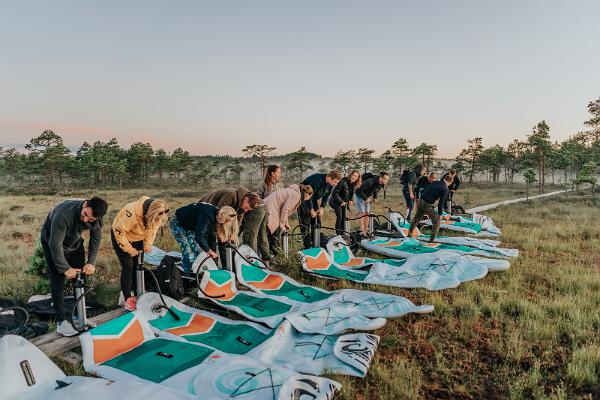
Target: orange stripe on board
column 107, row 349
column 389, row 244
column 354, row 262
column 199, row 324
column 271, row 282
column 213, row 290
column 320, row 262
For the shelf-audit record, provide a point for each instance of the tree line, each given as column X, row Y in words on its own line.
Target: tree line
column 107, row 164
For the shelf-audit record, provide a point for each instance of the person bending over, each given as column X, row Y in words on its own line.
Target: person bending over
column 451, row 189
column 63, row 248
column 341, row 198
column 366, row 194
column 196, row 228
column 280, row 205
column 133, row 230
column 311, row 210
column 435, row 191
column 408, row 180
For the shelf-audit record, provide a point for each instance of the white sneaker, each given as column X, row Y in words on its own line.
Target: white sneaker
column 66, row 329
column 121, row 301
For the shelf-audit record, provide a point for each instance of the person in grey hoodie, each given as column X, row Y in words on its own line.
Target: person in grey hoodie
column 63, row 248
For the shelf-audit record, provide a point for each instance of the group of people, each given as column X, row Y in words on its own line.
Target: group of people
column 422, row 190
column 260, row 217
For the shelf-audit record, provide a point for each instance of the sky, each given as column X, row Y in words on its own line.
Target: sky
column 213, row 77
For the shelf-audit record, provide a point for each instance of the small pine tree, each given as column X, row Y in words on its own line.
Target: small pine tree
column 38, row 267
column 529, row 176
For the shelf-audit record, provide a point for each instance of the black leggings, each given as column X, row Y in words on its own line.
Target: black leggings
column 76, row 259
column 308, row 223
column 340, row 217
column 128, row 265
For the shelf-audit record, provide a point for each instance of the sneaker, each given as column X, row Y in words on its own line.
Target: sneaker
column 121, row 301
column 64, row 328
column 130, row 304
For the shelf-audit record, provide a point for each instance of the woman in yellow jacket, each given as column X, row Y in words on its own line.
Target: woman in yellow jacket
column 134, row 229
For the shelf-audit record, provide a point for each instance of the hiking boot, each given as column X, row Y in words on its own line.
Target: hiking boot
column 130, row 304
column 64, row 328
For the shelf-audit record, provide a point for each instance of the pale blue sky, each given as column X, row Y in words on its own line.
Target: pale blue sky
column 214, row 76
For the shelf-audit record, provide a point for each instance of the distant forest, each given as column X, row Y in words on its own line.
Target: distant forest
column 47, row 162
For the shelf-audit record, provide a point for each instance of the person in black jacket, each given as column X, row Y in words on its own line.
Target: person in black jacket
column 408, row 186
column 341, row 198
column 311, row 210
column 63, row 248
column 197, row 226
column 422, row 183
column 367, row 193
column 453, row 187
column 435, row 191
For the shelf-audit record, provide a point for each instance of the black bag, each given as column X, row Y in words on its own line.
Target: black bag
column 404, row 177
column 169, row 277
column 44, row 309
column 12, row 320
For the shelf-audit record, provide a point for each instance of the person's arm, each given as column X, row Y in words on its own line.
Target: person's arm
column 95, row 239
column 289, row 206
column 456, row 182
column 149, row 238
column 326, row 195
column 120, row 227
column 377, row 188
column 58, row 230
column 203, row 223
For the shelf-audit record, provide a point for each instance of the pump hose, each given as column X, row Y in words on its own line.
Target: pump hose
column 198, row 272
column 20, row 327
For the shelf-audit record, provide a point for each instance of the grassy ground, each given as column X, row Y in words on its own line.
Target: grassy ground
column 531, row 332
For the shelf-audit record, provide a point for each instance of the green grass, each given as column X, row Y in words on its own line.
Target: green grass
column 530, row 332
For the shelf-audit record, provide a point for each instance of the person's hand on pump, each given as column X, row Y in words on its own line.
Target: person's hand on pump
column 133, row 252
column 147, row 248
column 71, row 273
column 342, row 204
column 313, row 213
column 212, row 253
column 89, row 269
column 286, row 228
column 412, row 196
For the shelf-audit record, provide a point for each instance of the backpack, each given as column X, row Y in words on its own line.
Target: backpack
column 404, row 177
column 169, row 277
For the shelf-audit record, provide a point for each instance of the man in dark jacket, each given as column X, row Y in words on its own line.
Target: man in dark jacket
column 63, row 248
column 422, row 183
column 311, row 210
column 435, row 191
column 453, row 187
column 240, row 199
column 408, row 185
column 367, row 193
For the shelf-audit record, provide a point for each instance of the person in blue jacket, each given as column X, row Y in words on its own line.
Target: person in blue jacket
column 197, row 226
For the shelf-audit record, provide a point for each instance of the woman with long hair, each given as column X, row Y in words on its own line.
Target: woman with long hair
column 197, row 227
column 134, row 230
column 272, row 178
column 341, row 198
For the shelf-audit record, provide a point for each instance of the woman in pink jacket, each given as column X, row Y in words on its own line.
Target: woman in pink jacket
column 280, row 204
